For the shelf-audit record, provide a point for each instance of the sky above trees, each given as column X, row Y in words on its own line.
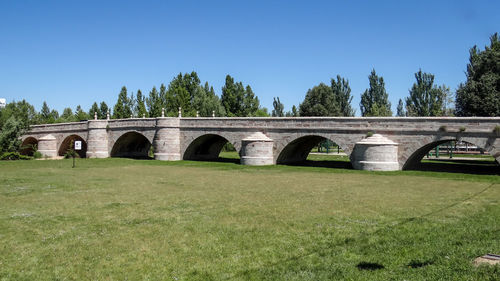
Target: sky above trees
column 80, row 52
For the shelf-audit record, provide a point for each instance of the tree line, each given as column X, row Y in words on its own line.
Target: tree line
column 478, row 96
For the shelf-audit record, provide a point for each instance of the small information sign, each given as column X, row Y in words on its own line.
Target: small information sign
column 78, row 145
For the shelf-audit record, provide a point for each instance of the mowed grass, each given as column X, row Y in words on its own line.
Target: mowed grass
column 123, row 219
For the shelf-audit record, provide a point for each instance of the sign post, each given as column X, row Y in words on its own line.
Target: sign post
column 78, row 146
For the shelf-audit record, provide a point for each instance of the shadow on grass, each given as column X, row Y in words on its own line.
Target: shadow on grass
column 369, row 266
column 227, row 160
column 477, row 167
column 323, row 164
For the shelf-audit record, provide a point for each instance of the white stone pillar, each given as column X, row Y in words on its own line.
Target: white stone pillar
column 167, row 143
column 47, row 146
column 97, row 142
column 257, row 150
column 375, row 153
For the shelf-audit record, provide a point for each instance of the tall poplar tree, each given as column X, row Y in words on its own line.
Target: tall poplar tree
column 103, row 111
column 342, row 95
column 45, row 113
column 375, row 100
column 154, row 103
column 239, row 100
column 94, row 109
column 206, row 102
column 140, row 107
column 400, row 110
column 122, row 108
column 278, row 108
column 426, row 99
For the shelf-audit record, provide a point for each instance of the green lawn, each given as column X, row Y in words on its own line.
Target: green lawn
column 123, row 219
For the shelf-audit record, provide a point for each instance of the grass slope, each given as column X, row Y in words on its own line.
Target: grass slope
column 121, row 219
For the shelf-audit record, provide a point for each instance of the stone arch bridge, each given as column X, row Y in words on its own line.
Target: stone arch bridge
column 397, row 142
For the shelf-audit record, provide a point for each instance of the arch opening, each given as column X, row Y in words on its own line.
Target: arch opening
column 65, row 146
column 29, row 146
column 316, row 151
column 452, row 156
column 132, row 145
column 211, row 147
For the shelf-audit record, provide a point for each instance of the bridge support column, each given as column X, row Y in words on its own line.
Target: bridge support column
column 375, row 153
column 257, row 150
column 47, row 146
column 97, row 142
column 167, row 143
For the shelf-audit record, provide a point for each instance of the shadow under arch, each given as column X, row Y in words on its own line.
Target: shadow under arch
column 28, row 146
column 131, row 145
column 66, row 143
column 297, row 151
column 469, row 165
column 208, row 148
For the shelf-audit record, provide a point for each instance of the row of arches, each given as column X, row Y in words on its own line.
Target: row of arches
column 208, row 147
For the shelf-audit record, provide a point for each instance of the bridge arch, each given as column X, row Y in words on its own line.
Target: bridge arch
column 28, row 146
column 417, row 151
column 66, row 143
column 207, row 147
column 131, row 144
column 298, row 149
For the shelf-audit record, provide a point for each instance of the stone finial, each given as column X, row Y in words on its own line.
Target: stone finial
column 213, row 113
column 197, row 113
column 107, row 115
column 180, row 112
column 143, row 115
column 131, row 116
column 95, row 115
column 162, row 112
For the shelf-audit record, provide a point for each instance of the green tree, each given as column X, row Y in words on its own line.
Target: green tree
column 22, row 111
column 80, row 115
column 181, row 92
column 278, row 108
column 67, row 116
column 232, row 97
column 320, row 101
column 480, row 95
column 426, row 99
column 401, row 111
column 122, row 108
column 251, row 104
column 54, row 115
column 131, row 103
column 94, row 109
column 10, row 135
column 45, row 115
column 140, row 107
column 103, row 111
column 205, row 101
column 261, row 112
column 375, row 100
column 154, row 103
column 164, row 99
column 342, row 95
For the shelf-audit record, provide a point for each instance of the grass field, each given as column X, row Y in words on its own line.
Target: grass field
column 123, row 219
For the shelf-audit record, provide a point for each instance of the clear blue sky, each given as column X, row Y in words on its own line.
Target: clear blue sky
column 77, row 52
